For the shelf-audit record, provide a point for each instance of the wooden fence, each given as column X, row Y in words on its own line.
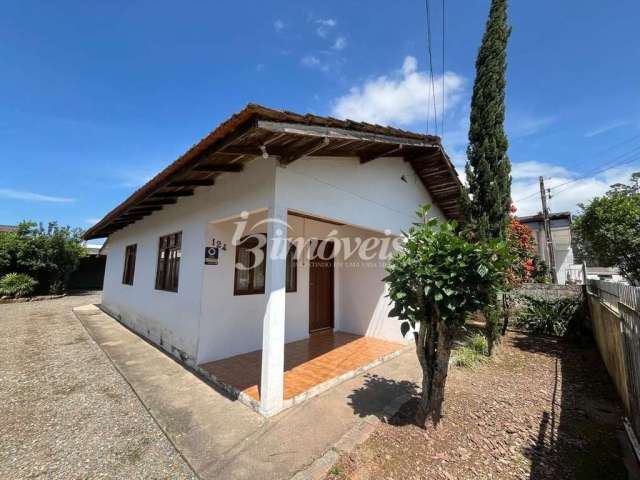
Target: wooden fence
column 615, row 315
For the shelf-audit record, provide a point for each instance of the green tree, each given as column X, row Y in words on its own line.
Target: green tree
column 608, row 229
column 49, row 254
column 435, row 281
column 487, row 201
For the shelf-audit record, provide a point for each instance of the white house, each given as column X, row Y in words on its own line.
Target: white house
column 178, row 248
column 561, row 240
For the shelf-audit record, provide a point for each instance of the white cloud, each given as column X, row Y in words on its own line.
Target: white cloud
column 340, row 43
column 526, row 190
column 92, row 221
column 310, row 61
column 522, row 170
column 523, row 124
column 32, row 197
column 399, row 98
column 278, row 25
column 324, row 25
column 605, row 129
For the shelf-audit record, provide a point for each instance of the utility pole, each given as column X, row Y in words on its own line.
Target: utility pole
column 547, row 232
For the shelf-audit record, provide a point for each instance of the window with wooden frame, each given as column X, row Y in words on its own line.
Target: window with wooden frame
column 251, row 281
column 249, row 277
column 129, row 264
column 168, row 268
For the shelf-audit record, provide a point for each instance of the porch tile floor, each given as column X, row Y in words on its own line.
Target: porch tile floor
column 307, row 363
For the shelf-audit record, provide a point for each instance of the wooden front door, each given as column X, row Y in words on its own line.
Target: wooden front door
column 321, row 289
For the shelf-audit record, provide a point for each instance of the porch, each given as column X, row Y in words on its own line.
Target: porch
column 311, row 365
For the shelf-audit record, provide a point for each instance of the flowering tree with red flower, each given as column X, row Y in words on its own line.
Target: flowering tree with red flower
column 526, row 264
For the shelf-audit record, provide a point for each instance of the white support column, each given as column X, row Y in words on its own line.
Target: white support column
column 272, row 381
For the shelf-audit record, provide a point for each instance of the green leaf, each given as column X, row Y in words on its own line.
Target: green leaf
column 404, row 328
column 438, row 297
column 482, row 270
column 448, row 292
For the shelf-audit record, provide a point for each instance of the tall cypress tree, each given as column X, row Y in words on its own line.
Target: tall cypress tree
column 488, row 168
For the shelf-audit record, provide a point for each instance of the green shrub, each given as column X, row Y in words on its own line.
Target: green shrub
column 473, row 351
column 549, row 316
column 17, row 285
column 48, row 255
column 467, row 357
column 479, row 344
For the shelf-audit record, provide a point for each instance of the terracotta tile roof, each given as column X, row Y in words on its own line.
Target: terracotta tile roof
column 253, row 127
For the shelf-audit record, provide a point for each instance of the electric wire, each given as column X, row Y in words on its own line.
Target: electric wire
column 433, row 92
column 613, row 163
column 443, row 70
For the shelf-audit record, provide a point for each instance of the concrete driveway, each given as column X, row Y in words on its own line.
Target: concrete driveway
column 66, row 412
column 222, row 438
column 117, row 407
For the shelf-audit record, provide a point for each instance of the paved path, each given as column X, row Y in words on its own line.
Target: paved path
column 222, row 438
column 65, row 412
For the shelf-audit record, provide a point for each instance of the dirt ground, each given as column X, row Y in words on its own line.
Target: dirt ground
column 542, row 409
column 66, row 412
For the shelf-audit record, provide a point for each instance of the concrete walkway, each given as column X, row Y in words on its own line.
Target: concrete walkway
column 220, row 437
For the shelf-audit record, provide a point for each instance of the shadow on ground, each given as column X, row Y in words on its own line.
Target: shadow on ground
column 377, row 392
column 577, row 434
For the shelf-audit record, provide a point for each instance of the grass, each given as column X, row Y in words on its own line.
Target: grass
column 335, row 470
column 472, row 352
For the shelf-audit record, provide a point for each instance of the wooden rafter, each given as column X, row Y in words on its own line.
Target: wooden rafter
column 307, row 149
column 143, row 209
column 206, row 182
column 232, row 167
column 166, row 201
column 181, row 193
column 366, row 157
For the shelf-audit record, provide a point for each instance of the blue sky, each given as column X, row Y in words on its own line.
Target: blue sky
column 96, row 97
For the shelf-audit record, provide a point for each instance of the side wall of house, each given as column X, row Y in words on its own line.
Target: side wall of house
column 170, row 319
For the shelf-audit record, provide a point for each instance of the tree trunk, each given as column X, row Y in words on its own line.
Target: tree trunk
column 491, row 322
column 433, row 349
column 505, row 314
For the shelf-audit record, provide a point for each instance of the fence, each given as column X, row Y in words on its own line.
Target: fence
column 615, row 316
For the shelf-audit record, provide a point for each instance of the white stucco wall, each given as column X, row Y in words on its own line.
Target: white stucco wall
column 167, row 318
column 204, row 319
column 370, row 195
column 561, row 237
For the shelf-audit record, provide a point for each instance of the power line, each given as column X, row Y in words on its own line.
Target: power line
column 582, row 177
column 568, row 184
column 443, row 68
column 433, row 92
column 608, row 166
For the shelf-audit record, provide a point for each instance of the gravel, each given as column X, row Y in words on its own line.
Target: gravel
column 66, row 412
column 541, row 409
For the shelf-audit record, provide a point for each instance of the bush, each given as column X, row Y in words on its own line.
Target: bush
column 479, row 344
column 549, row 316
column 473, row 352
column 48, row 255
column 17, row 285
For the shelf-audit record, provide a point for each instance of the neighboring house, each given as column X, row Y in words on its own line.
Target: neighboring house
column 609, row 274
column 173, row 266
column 8, row 228
column 561, row 239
